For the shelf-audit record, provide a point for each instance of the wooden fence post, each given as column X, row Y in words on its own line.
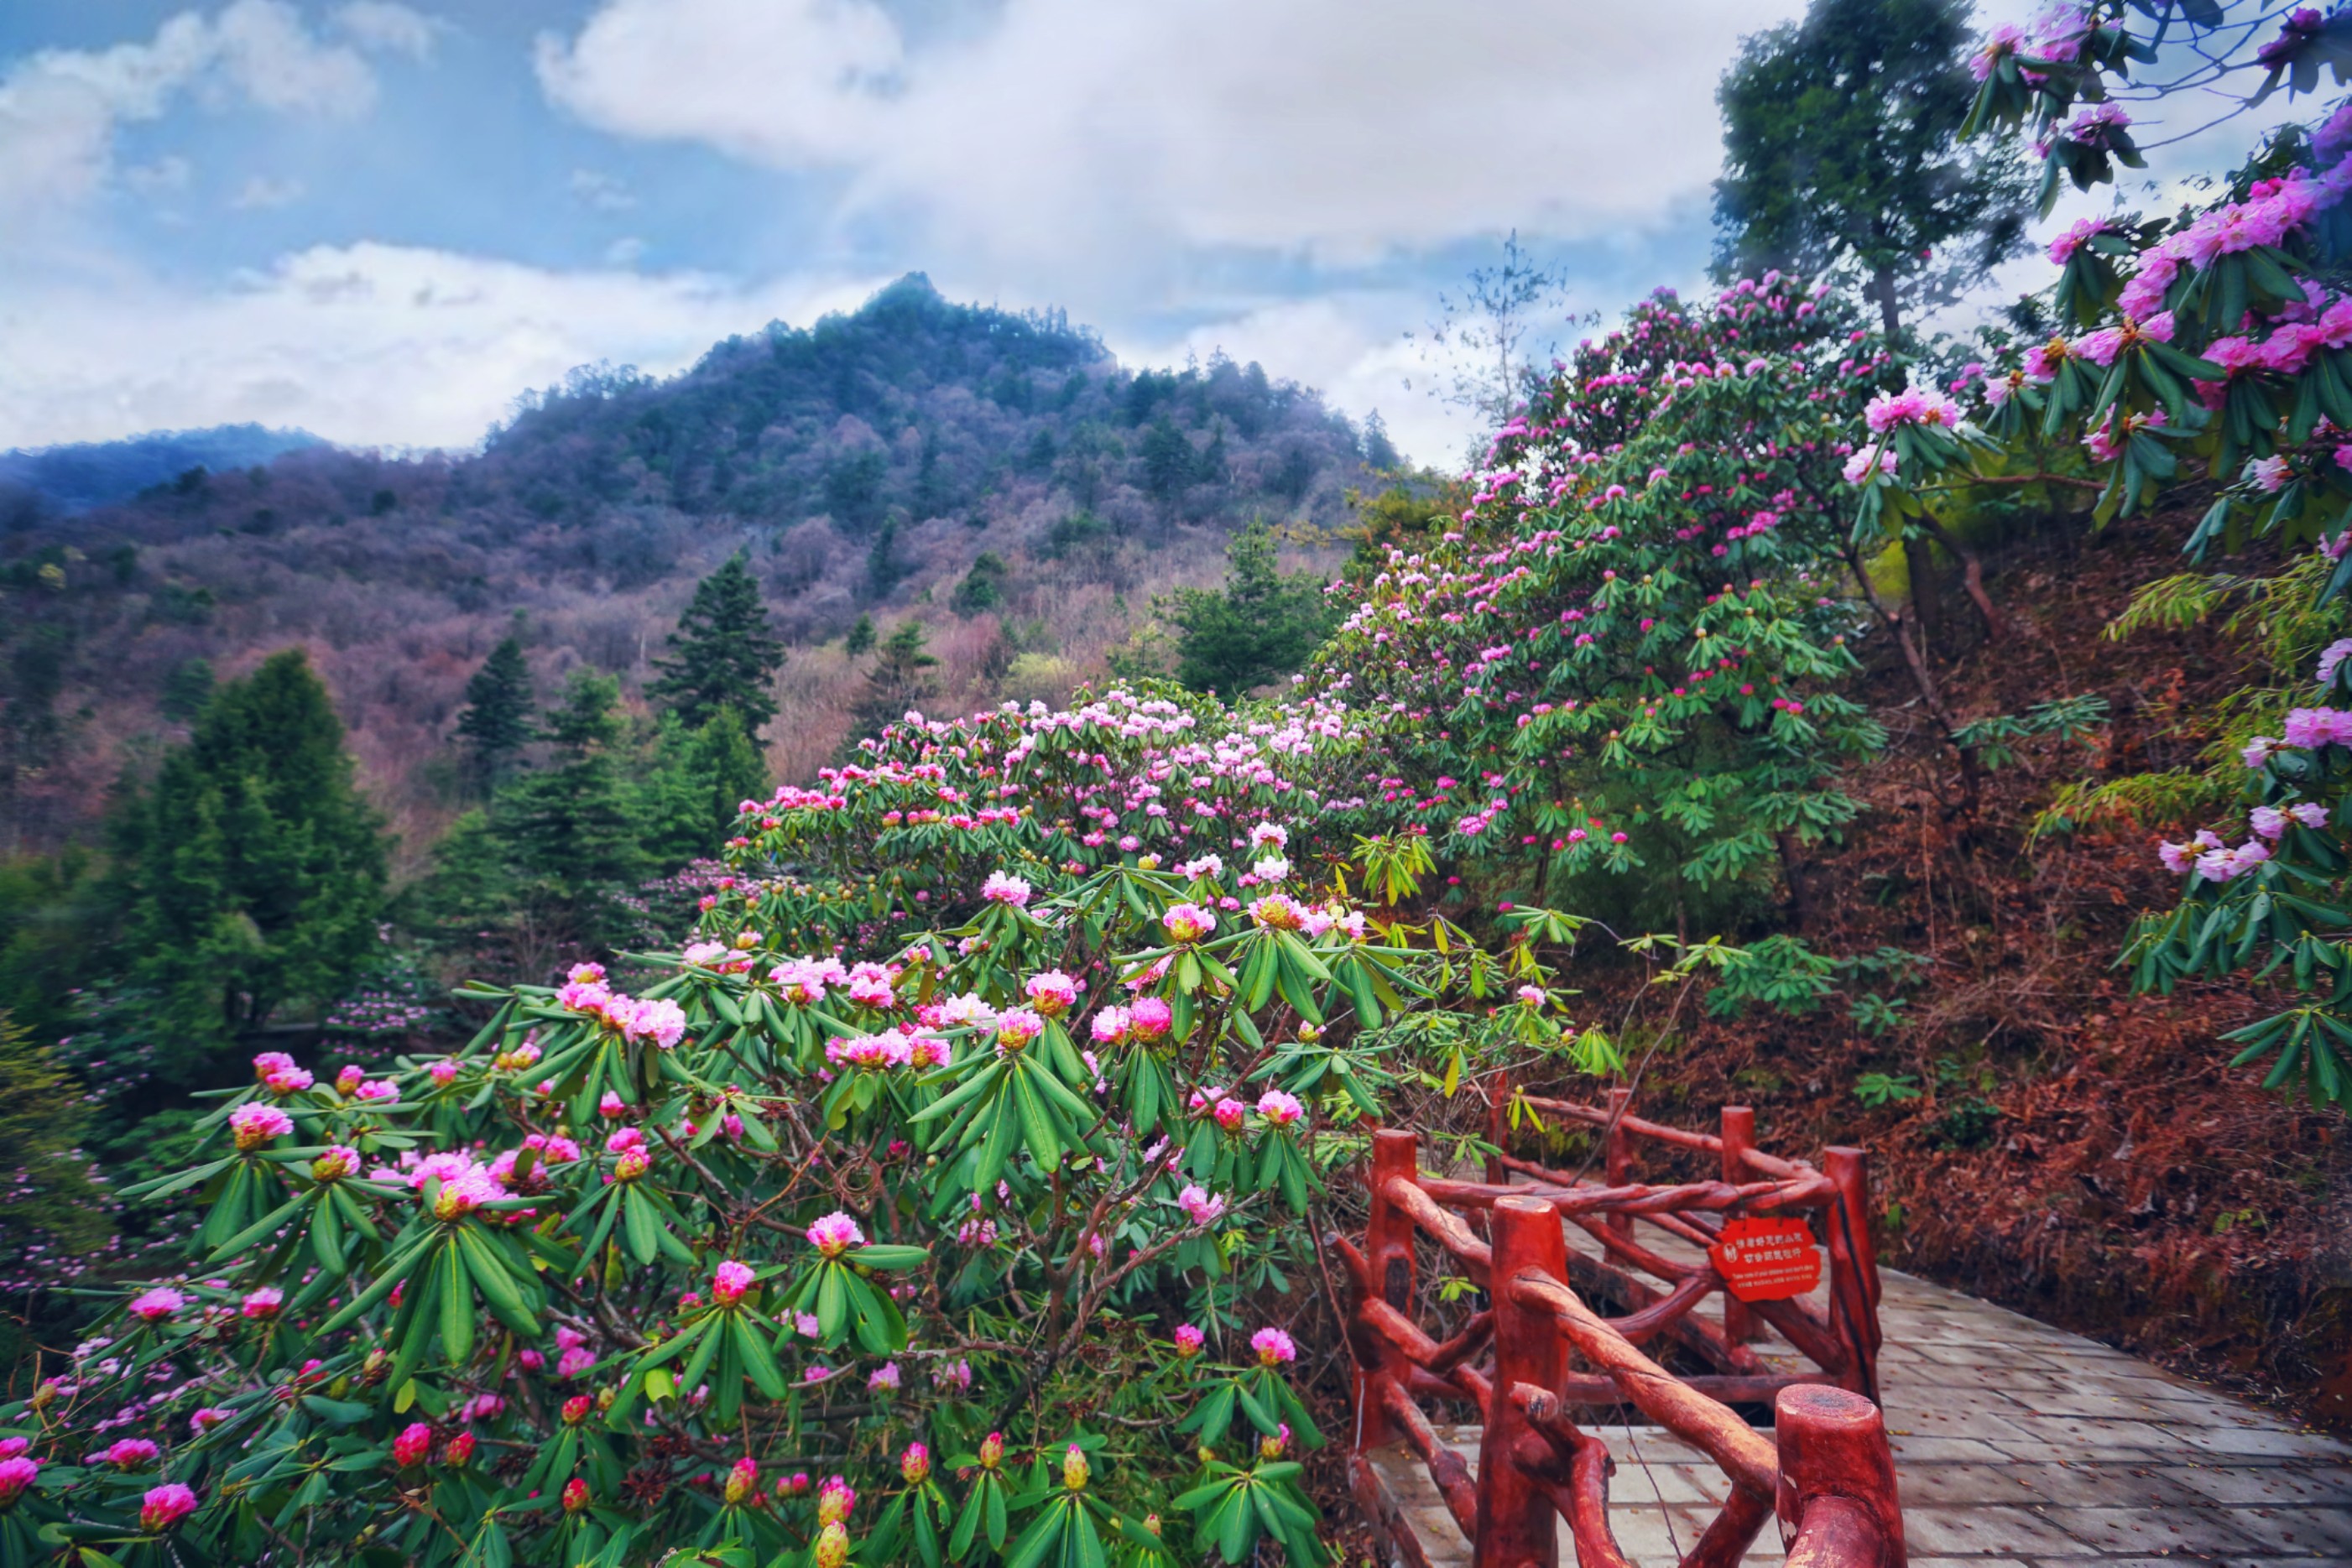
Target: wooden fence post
column 1853, row 1264
column 1388, row 1249
column 1517, row 1524
column 1835, row 1467
column 1738, row 1137
column 1618, row 1156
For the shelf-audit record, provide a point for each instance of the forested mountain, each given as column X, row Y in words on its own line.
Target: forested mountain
column 82, row 474
column 1001, row 477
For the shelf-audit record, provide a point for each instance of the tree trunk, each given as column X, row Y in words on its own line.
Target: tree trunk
column 1919, row 565
column 1890, row 313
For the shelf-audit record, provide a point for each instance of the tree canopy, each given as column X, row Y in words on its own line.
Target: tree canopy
column 1841, row 143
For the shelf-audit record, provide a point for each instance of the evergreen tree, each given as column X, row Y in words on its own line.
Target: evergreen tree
column 1261, row 625
column 901, row 679
column 254, row 872
column 1840, row 142
column 860, row 640
column 698, row 780
column 883, row 567
column 44, row 1181
column 186, row 690
column 570, row 834
column 1168, row 459
column 496, row 721
column 1380, row 452
column 725, row 657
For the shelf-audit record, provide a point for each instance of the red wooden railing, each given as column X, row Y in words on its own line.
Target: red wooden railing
column 1535, row 1351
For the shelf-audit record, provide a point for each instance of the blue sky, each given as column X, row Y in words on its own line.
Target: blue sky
column 382, row 220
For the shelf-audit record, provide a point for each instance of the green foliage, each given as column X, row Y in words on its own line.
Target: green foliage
column 724, row 654
column 982, row 587
column 860, row 639
column 42, row 1114
column 1260, row 626
column 252, row 872
column 188, row 690
column 1840, row 144
column 1877, row 1089
column 495, row 722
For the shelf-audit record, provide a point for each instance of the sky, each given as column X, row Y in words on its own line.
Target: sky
column 382, row 221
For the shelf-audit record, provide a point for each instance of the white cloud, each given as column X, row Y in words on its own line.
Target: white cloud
column 781, row 81
column 602, row 192
column 368, row 344
column 394, row 29
column 261, row 192
column 1075, row 130
column 60, row 107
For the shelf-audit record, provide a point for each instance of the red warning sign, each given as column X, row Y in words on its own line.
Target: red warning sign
column 1767, row 1259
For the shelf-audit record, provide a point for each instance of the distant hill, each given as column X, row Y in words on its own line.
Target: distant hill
column 999, row 477
column 77, row 478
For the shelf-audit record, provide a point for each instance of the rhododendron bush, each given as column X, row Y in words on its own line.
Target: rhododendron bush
column 942, row 1199
column 2216, row 345
column 1628, row 653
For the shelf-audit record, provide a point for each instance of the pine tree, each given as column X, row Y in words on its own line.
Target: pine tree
column 570, row 833
column 1380, row 452
column 901, row 679
column 254, row 872
column 860, row 640
column 495, row 722
column 725, row 656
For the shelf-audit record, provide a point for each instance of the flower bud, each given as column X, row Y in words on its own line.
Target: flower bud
column 575, row 1409
column 742, row 1479
column 575, row 1495
column 1152, row 1522
column 1074, row 1468
column 992, row 1450
column 915, row 1464
column 832, row 1546
column 461, row 1448
column 413, row 1444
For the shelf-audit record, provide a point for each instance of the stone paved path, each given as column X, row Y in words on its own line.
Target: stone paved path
column 2014, row 1443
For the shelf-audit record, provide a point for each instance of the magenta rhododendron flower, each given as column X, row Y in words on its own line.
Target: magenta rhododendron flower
column 128, row 1454
column 414, row 1443
column 1001, row 888
column 1272, row 1346
column 834, row 1498
column 155, row 1305
column 263, row 1302
column 18, row 1474
column 731, row 1279
column 165, row 1505
column 1052, row 993
column 1188, row 1341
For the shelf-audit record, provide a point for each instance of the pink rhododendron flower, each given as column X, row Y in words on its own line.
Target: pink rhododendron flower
column 1199, row 1205
column 1151, row 1018
column 18, row 1474
column 1052, row 993
column 1280, row 1108
column 255, row 1124
column 414, row 1443
column 263, row 1302
column 128, row 1454
column 732, row 1278
column 1001, row 888
column 1272, row 1346
column 834, row 1234
column 1188, row 1341
column 1188, row 922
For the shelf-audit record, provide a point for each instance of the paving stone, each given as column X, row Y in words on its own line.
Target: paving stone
column 1955, row 1531
column 2016, row 1446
